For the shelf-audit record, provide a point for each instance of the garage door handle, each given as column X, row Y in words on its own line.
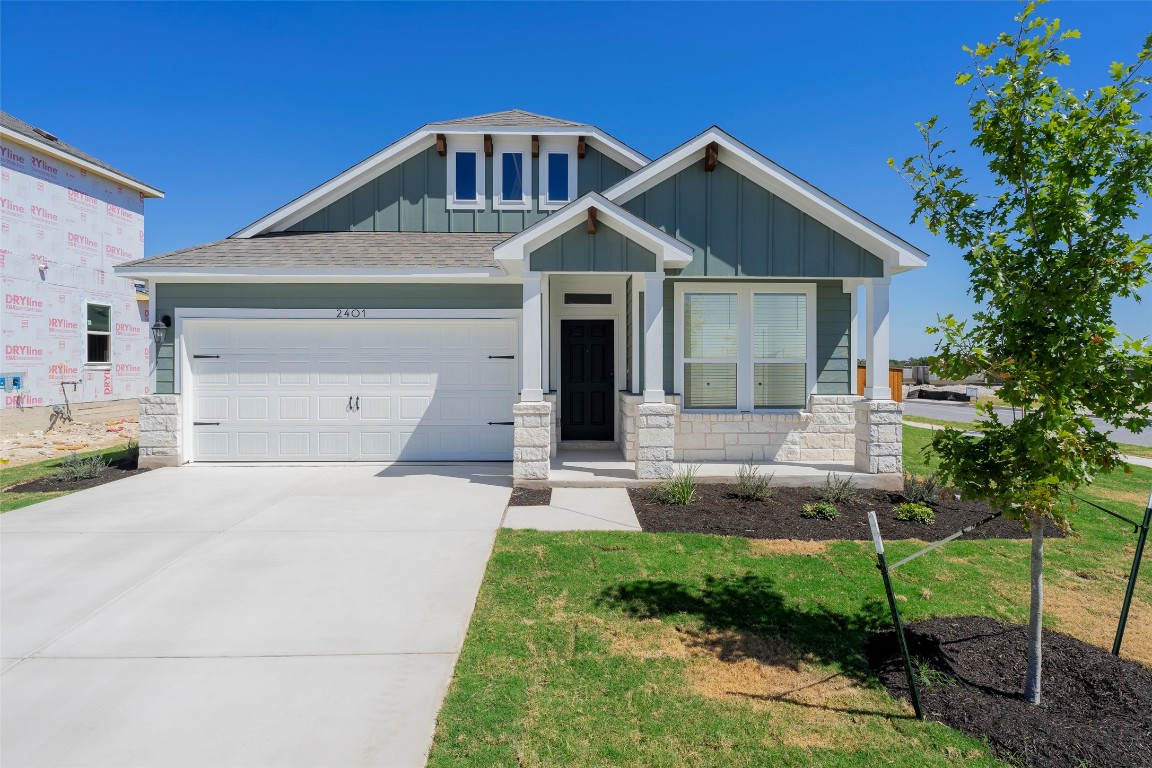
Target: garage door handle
column 502, row 423
column 202, row 357
column 501, row 357
column 205, row 423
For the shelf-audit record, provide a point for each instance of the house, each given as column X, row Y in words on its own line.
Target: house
column 71, row 328
column 504, row 286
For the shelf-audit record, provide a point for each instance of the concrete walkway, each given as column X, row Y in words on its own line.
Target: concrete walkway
column 578, row 509
column 241, row 616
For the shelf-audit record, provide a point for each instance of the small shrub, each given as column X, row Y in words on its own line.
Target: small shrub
column 839, row 490
column 915, row 512
column 821, row 510
column 679, row 489
column 77, row 467
column 921, row 489
column 753, row 486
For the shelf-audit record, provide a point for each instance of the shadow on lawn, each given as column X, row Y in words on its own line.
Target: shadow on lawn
column 767, row 626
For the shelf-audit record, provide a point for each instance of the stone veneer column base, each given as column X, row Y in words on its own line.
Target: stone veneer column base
column 879, row 439
column 532, row 440
column 655, row 440
column 159, row 431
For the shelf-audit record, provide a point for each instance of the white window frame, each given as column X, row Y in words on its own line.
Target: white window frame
column 105, row 363
column 503, row 145
column 745, row 361
column 557, row 146
column 467, row 144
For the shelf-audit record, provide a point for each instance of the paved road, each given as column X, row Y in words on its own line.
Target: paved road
column 965, row 412
column 241, row 616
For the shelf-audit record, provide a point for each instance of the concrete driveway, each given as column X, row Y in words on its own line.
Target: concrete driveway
column 241, row 616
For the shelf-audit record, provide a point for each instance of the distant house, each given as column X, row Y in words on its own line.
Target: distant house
column 70, row 326
column 507, row 286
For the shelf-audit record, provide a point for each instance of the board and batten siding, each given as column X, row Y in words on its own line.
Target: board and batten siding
column 739, row 229
column 833, row 337
column 172, row 296
column 412, row 197
column 606, row 251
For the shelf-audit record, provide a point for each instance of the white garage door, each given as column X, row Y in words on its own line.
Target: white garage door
column 347, row 390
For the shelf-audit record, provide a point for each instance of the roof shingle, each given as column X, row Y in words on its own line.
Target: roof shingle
column 513, row 118
column 337, row 250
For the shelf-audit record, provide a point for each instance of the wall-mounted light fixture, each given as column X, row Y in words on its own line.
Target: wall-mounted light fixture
column 160, row 329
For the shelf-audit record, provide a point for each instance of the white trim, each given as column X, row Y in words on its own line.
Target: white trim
column 745, row 361
column 876, row 377
column 565, row 146
column 637, row 373
column 598, row 139
column 531, row 342
column 898, row 254
column 336, row 187
column 852, row 288
column 558, row 285
column 670, row 252
column 94, row 364
column 63, row 156
column 518, row 145
column 654, row 337
column 476, row 148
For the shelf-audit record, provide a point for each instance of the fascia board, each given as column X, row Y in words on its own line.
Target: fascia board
column 515, row 248
column 339, row 185
column 898, row 254
column 600, row 140
column 485, row 276
column 48, row 149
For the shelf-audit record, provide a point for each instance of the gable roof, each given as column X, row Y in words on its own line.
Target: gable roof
column 669, row 251
column 898, row 254
column 513, row 118
column 38, row 138
column 410, row 146
column 320, row 252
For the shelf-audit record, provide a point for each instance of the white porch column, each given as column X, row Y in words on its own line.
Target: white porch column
column 876, row 387
column 531, row 341
column 654, row 337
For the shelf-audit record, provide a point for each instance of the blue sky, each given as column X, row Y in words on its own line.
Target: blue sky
column 234, row 109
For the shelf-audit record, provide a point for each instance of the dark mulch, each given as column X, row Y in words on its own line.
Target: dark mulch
column 717, row 510
column 1096, row 709
column 530, row 497
column 117, row 470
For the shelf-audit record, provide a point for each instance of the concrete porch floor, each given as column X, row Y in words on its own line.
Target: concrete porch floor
column 601, row 468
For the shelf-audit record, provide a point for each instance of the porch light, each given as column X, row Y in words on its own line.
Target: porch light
column 160, row 329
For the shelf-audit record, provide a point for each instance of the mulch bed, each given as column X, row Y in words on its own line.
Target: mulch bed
column 716, row 510
column 530, row 497
column 117, row 470
column 1095, row 709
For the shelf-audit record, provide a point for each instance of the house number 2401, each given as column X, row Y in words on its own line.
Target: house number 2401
column 351, row 313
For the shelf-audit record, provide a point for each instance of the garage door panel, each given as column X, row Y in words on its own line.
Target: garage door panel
column 280, row 390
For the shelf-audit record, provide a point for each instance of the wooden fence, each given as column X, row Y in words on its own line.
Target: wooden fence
column 895, row 381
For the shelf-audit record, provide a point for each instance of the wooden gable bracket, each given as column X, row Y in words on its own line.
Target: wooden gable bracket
column 487, row 145
column 581, row 148
column 591, row 221
column 535, row 146
column 711, row 156
column 441, row 144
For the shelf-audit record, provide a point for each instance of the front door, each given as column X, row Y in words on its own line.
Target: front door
column 587, row 380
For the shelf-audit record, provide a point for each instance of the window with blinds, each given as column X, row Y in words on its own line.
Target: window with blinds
column 779, row 350
column 711, row 341
column 745, row 349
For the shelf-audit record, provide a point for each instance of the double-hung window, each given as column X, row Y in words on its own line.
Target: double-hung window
column 99, row 335
column 746, row 347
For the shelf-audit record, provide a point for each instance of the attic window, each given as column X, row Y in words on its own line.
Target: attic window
column 557, row 172
column 465, row 175
column 512, row 169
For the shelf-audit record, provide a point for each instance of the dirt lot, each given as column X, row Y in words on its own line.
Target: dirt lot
column 29, row 447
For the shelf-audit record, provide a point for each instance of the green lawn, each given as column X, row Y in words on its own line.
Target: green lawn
column 1125, row 448
column 609, row 649
column 24, row 473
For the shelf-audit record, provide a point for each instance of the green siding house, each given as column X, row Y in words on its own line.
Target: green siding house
column 511, row 287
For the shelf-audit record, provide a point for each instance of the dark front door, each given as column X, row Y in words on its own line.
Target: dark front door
column 587, row 383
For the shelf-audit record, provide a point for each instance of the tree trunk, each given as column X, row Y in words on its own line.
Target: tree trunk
column 1035, row 611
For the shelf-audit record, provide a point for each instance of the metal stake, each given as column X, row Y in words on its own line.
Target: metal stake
column 882, row 564
column 1140, row 541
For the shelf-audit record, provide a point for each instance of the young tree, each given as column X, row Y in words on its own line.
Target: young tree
column 1049, row 248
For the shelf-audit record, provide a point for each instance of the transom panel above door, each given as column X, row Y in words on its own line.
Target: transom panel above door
column 348, row 390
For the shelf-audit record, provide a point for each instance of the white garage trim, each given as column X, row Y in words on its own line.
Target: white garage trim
column 361, row 369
